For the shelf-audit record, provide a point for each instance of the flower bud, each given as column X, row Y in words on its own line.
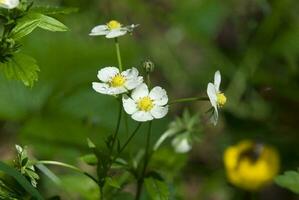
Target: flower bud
column 148, row 66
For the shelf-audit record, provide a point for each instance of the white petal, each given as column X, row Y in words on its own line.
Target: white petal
column 99, row 30
column 212, row 94
column 217, row 80
column 130, row 73
column 129, row 105
column 107, row 73
column 100, row 87
column 116, row 33
column 9, row 4
column 140, row 92
column 142, row 116
column 116, row 90
column 181, row 144
column 133, row 83
column 133, row 80
column 214, row 117
column 159, row 96
column 104, row 88
column 159, row 112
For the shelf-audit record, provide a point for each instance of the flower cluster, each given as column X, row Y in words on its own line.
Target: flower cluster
column 138, row 100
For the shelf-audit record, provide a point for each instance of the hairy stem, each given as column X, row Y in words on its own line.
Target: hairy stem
column 118, row 55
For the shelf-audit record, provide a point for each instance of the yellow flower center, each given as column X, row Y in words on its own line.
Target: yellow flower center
column 118, row 81
column 113, row 24
column 221, row 99
column 145, row 104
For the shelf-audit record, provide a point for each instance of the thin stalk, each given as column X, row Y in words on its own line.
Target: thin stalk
column 127, row 126
column 114, row 137
column 130, row 138
column 148, row 80
column 127, row 142
column 191, row 99
column 146, row 161
column 118, row 55
column 61, row 164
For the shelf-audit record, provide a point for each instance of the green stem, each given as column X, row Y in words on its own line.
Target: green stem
column 61, row 164
column 130, row 138
column 127, row 142
column 146, row 161
column 191, row 99
column 118, row 55
column 127, row 126
column 117, row 127
column 148, row 80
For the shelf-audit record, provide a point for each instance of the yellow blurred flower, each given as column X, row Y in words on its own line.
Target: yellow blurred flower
column 251, row 165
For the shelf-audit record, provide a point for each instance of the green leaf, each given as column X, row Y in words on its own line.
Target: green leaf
column 21, row 180
column 26, row 25
column 90, row 144
column 90, row 159
column 157, row 189
column 51, row 24
column 21, row 67
column 289, row 180
column 32, row 20
column 113, row 182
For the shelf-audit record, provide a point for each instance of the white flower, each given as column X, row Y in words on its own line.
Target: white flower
column 181, row 144
column 217, row 98
column 112, row 29
column 115, row 82
column 144, row 105
column 9, row 4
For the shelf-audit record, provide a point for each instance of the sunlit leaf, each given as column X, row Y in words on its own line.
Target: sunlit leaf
column 51, row 24
column 289, row 180
column 21, row 67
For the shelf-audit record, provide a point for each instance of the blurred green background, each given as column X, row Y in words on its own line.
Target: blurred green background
column 254, row 43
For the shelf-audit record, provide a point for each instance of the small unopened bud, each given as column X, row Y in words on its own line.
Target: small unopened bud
column 148, row 66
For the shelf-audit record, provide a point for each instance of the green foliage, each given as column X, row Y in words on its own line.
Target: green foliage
column 156, row 187
column 25, row 165
column 51, row 24
column 25, row 25
column 289, row 180
column 31, row 21
column 20, row 179
column 21, row 67
column 19, row 24
column 185, row 126
column 90, row 159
